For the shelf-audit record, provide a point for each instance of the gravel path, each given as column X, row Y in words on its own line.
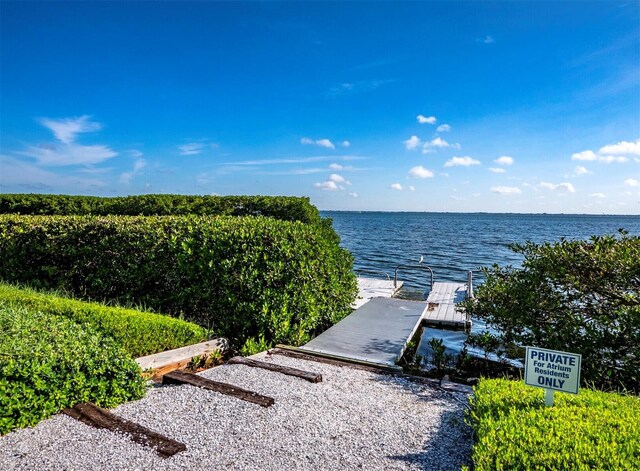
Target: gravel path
column 351, row 420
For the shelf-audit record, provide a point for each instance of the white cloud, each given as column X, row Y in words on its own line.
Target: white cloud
column 28, row 176
column 632, row 182
column 126, row 177
column 586, row 155
column 623, row 147
column 336, row 167
column 487, row 40
column 68, row 154
column 300, row 160
column 497, row 170
column 320, row 142
column 325, row 143
column 193, row 148
column 327, row 186
column 506, row 190
column 135, row 153
column 334, row 177
column 590, row 156
column 461, row 161
column 65, row 130
column 420, row 172
column 396, row 186
column 566, row 187
column 138, row 165
column 444, row 128
column 437, row 143
column 504, row 160
column 345, row 144
column 608, row 159
column 580, row 170
column 597, row 195
column 412, row 188
column 363, row 86
column 426, row 120
column 412, row 143
column 353, row 195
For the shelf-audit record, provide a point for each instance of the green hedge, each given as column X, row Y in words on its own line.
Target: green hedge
column 591, row 430
column 279, row 207
column 138, row 333
column 244, row 277
column 48, row 363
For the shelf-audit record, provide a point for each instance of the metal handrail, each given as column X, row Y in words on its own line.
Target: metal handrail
column 376, row 272
column 395, row 274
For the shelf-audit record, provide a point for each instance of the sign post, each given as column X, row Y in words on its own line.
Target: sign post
column 552, row 370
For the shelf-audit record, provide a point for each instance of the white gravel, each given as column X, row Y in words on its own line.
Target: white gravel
column 353, row 419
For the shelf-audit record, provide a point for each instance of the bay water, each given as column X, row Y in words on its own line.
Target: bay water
column 454, row 243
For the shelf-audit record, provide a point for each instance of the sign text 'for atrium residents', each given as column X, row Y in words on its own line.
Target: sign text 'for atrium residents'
column 551, row 369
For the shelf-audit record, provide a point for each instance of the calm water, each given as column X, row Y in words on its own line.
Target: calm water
column 451, row 244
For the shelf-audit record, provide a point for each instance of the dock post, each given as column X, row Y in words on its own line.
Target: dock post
column 470, row 285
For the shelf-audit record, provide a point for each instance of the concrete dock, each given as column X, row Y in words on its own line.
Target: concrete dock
column 380, row 327
column 377, row 332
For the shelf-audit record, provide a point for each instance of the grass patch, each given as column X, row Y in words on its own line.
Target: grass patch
column 49, row 362
column 515, row 431
column 138, row 333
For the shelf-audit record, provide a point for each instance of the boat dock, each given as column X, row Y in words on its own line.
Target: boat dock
column 380, row 327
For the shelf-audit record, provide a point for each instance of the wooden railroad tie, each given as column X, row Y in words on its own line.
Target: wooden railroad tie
column 98, row 417
column 306, row 375
column 180, row 377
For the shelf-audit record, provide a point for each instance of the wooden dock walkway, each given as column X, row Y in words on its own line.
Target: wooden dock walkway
column 441, row 306
column 380, row 327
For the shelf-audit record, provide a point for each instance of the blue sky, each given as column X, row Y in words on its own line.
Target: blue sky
column 417, row 106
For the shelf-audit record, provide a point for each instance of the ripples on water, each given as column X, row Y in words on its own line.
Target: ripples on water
column 453, row 243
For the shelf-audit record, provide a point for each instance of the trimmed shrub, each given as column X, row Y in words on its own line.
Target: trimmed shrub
column 48, row 363
column 287, row 208
column 244, row 277
column 515, row 431
column 138, row 333
column 579, row 296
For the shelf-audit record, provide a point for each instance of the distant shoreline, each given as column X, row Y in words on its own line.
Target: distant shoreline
column 478, row 213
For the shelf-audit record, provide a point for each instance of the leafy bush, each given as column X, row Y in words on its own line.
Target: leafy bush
column 243, row 277
column 515, row 431
column 576, row 296
column 279, row 207
column 48, row 363
column 138, row 333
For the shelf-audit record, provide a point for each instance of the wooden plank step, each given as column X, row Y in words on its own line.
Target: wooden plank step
column 98, row 417
column 180, row 377
column 306, row 375
column 179, row 358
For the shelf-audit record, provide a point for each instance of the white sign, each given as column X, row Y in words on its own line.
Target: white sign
column 551, row 369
